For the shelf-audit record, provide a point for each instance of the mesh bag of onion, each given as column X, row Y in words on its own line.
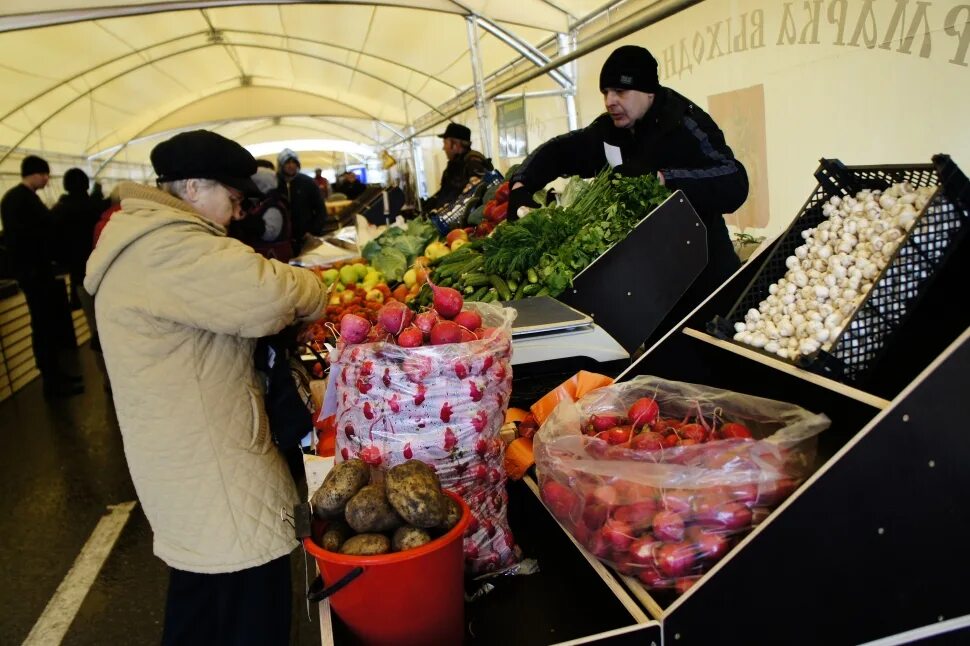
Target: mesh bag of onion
column 443, row 405
column 659, row 478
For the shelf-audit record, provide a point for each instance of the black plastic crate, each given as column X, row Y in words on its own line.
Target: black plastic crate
column 939, row 230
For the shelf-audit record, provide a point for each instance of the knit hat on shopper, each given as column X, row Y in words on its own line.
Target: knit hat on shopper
column 630, row 68
column 33, row 165
column 286, row 155
column 201, row 154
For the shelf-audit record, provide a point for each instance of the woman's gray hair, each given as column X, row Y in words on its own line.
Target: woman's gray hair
column 177, row 187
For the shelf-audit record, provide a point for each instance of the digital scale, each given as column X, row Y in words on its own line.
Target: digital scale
column 546, row 329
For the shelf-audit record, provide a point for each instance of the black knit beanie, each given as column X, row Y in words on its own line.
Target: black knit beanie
column 32, row 164
column 630, row 68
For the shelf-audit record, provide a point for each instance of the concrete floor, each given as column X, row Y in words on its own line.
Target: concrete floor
column 62, row 466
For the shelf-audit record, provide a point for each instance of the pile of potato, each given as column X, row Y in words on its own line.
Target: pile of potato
column 400, row 509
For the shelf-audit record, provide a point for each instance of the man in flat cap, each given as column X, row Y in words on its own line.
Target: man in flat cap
column 649, row 129
column 179, row 307
column 463, row 164
column 28, row 231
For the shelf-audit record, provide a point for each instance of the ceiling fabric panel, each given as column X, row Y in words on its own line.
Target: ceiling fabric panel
column 81, row 78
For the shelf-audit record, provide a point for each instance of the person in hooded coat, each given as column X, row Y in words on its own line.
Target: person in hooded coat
column 307, row 212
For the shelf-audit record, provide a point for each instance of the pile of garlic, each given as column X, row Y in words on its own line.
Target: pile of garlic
column 831, row 273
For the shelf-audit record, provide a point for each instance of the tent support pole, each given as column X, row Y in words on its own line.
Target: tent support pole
column 481, row 104
column 567, row 43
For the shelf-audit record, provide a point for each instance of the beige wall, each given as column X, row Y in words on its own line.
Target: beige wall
column 838, row 78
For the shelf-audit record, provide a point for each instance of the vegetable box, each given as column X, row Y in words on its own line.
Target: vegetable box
column 851, row 350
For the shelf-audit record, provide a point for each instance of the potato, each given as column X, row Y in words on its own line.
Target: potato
column 335, row 534
column 452, row 513
column 366, row 545
column 408, row 537
column 415, row 493
column 340, row 485
column 369, row 511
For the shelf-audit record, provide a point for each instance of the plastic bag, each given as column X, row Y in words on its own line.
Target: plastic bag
column 666, row 515
column 443, row 405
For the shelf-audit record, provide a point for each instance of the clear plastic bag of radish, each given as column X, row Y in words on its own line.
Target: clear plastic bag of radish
column 443, row 405
column 660, row 478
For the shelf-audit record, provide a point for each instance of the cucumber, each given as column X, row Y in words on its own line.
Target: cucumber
column 532, row 275
column 501, row 287
column 490, row 296
column 476, row 279
column 479, row 294
column 531, row 289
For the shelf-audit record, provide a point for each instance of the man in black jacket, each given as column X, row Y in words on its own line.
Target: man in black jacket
column 27, row 228
column 649, row 129
column 463, row 164
column 307, row 211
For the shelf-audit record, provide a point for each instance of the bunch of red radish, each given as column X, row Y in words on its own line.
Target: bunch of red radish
column 446, row 322
column 668, row 537
column 643, row 428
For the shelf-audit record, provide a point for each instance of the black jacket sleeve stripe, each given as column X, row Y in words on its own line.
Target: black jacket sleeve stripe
column 724, row 164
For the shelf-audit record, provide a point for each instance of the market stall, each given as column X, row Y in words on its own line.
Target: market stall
column 755, row 449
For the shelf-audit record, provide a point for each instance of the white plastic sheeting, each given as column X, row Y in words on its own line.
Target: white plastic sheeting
column 105, row 80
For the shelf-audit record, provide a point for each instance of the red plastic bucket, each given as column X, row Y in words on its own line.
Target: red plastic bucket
column 413, row 597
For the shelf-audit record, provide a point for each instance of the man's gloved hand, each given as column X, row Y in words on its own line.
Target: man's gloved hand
column 519, row 197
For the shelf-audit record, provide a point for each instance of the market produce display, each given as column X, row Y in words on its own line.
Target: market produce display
column 542, row 252
column 361, row 513
column 434, row 387
column 660, row 478
column 395, row 250
column 831, row 274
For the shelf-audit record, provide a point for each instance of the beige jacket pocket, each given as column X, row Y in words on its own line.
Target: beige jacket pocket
column 261, row 440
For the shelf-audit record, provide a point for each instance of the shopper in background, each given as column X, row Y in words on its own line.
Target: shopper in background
column 74, row 217
column 179, row 306
column 463, row 164
column 322, row 183
column 28, row 227
column 307, row 212
column 649, row 129
column 349, row 185
column 265, row 224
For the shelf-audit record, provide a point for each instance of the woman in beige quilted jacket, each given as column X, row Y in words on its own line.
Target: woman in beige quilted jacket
column 179, row 306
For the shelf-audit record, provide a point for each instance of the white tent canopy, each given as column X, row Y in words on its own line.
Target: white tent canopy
column 105, row 82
